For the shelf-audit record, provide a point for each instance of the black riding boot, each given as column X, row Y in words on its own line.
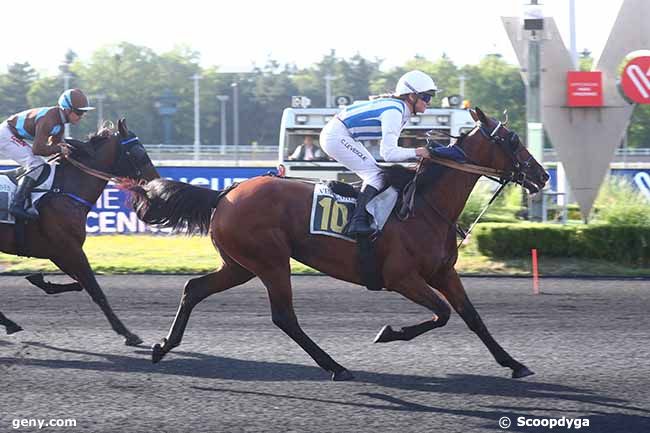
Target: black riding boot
column 17, row 208
column 360, row 221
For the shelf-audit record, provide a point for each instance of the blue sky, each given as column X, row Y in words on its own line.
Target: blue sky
column 296, row 31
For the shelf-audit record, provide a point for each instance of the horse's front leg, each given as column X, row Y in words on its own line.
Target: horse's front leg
column 451, row 286
column 418, row 291
column 10, row 326
column 75, row 264
column 52, row 288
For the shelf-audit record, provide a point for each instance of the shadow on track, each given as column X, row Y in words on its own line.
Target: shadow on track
column 197, row 365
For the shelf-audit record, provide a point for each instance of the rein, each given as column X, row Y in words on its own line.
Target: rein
column 500, row 176
column 95, row 173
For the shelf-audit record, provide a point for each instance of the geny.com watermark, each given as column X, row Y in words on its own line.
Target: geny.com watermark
column 43, row 423
column 564, row 422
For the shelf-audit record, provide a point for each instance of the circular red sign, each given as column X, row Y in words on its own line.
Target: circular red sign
column 635, row 80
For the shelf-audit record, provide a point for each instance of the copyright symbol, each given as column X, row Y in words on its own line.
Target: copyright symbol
column 504, row 422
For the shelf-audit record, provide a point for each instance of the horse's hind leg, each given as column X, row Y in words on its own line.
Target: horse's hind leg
column 451, row 286
column 277, row 280
column 10, row 326
column 230, row 275
column 418, row 291
column 75, row 264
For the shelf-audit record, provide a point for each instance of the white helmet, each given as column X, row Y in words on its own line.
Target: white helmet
column 415, row 82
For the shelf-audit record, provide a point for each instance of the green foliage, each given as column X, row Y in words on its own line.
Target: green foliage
column 620, row 203
column 494, row 86
column 14, row 87
column 619, row 244
column 504, row 209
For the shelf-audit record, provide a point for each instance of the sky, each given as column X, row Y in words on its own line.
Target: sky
column 236, row 34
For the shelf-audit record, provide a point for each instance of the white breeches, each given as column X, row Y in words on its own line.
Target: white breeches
column 12, row 147
column 336, row 141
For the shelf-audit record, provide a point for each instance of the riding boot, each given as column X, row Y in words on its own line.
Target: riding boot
column 360, row 221
column 17, row 208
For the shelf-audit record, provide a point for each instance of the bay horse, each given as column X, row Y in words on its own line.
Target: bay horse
column 60, row 231
column 263, row 222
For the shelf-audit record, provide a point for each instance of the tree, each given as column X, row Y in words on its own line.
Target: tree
column 495, row 85
column 14, row 86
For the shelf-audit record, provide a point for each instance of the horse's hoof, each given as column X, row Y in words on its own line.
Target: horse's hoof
column 157, row 352
column 342, row 375
column 523, row 371
column 385, row 335
column 132, row 340
column 12, row 329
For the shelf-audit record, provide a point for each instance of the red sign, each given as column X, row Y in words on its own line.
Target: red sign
column 584, row 89
column 635, row 80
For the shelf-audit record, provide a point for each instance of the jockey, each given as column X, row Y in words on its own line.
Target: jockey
column 382, row 118
column 44, row 127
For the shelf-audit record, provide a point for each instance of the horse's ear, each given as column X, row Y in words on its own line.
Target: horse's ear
column 472, row 113
column 481, row 116
column 122, row 128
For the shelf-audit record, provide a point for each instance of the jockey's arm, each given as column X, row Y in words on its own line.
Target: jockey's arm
column 391, row 127
column 45, row 144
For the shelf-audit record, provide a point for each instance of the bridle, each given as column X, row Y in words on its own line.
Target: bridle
column 510, row 144
column 131, row 153
column 512, row 147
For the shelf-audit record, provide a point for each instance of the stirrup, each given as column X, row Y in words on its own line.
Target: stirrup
column 19, row 213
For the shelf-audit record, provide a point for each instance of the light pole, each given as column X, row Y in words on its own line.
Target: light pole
column 461, row 78
column 328, row 90
column 197, row 116
column 235, row 117
column 223, row 99
column 534, row 24
column 66, row 86
column 100, row 109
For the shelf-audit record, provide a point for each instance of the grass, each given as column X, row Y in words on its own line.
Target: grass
column 126, row 254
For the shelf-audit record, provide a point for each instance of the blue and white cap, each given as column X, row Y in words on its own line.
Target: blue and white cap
column 74, row 99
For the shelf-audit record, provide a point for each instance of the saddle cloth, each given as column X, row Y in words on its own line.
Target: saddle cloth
column 8, row 186
column 331, row 212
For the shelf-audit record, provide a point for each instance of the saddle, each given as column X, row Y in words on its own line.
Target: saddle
column 8, row 185
column 15, row 173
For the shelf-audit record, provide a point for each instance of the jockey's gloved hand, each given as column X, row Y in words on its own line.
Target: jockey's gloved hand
column 78, row 148
column 422, row 152
column 65, row 149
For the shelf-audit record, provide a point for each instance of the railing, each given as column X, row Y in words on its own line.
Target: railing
column 623, row 153
column 211, row 152
column 270, row 152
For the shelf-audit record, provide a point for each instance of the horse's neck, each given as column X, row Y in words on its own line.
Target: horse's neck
column 83, row 184
column 450, row 192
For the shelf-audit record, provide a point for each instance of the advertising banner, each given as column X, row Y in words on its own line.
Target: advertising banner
column 111, row 215
column 584, row 89
column 635, row 80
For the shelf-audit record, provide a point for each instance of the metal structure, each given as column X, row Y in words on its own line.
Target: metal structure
column 585, row 138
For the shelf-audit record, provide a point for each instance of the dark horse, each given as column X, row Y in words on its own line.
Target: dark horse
column 259, row 225
column 60, row 231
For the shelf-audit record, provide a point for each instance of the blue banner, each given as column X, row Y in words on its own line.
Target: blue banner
column 638, row 177
column 111, row 215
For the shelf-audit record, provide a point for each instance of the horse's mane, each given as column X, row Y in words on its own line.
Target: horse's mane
column 399, row 176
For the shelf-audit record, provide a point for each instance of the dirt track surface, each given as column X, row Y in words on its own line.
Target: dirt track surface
column 586, row 340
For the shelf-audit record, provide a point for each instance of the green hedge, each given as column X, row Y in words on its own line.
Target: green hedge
column 621, row 244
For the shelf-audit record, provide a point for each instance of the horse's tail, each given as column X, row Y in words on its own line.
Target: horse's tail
column 179, row 205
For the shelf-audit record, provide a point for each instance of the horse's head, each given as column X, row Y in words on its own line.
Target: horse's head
column 492, row 144
column 120, row 153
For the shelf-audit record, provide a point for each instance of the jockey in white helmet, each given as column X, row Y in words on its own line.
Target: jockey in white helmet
column 383, row 119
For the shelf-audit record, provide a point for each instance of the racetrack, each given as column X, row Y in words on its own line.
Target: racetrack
column 587, row 341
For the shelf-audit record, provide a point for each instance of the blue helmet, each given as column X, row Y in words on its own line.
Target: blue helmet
column 74, row 99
